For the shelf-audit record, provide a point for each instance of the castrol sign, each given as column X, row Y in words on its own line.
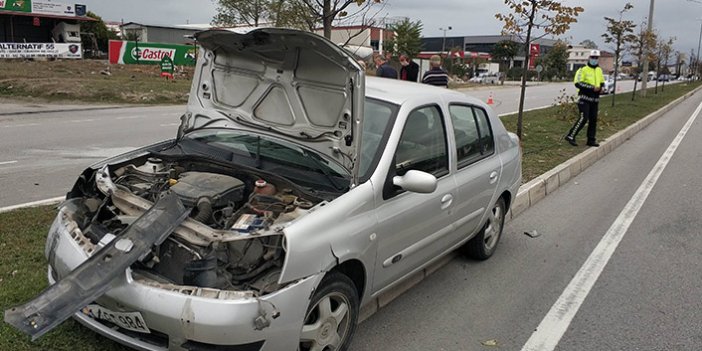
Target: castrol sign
column 132, row 53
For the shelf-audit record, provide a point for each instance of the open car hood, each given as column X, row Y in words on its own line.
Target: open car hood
column 293, row 84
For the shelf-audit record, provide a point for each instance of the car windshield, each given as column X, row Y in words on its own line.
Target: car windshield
column 272, row 152
column 377, row 119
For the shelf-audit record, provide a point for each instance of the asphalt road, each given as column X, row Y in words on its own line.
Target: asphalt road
column 646, row 298
column 42, row 154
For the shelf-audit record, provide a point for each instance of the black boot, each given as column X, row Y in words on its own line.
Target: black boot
column 571, row 140
column 592, row 143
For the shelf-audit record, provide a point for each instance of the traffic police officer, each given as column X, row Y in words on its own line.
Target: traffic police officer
column 589, row 80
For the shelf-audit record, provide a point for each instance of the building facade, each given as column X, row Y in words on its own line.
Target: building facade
column 161, row 34
column 482, row 45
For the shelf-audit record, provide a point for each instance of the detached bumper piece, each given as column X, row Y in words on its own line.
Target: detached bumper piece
column 93, row 277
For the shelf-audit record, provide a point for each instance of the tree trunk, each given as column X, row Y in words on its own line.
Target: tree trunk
column 327, row 19
column 527, row 54
column 616, row 69
column 633, row 94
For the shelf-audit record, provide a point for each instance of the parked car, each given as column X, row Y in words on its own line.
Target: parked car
column 664, row 78
column 295, row 192
column 492, row 78
column 608, row 86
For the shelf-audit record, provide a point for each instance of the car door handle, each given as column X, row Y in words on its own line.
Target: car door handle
column 446, row 201
column 493, row 177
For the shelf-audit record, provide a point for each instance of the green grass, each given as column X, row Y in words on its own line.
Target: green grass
column 543, row 129
column 23, row 232
column 23, row 276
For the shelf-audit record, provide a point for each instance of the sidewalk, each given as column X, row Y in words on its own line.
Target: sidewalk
column 11, row 107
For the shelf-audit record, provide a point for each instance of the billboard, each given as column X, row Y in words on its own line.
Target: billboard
column 32, row 50
column 131, row 52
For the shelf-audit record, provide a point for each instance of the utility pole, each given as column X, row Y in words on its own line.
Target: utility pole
column 644, row 74
column 443, row 45
column 697, row 61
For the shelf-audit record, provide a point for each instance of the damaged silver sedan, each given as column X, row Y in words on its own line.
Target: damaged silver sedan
column 295, row 192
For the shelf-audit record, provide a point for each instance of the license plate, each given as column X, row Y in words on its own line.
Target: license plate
column 128, row 320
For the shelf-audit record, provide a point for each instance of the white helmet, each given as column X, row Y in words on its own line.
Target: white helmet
column 594, row 53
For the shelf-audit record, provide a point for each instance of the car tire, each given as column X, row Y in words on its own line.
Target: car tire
column 482, row 246
column 330, row 321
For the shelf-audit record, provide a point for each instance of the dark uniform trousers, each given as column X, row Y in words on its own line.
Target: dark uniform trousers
column 588, row 114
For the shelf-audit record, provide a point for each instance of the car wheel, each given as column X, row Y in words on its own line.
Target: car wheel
column 483, row 245
column 331, row 316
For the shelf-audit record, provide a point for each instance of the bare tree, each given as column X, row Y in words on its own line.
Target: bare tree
column 665, row 49
column 548, row 16
column 620, row 32
column 644, row 39
column 325, row 11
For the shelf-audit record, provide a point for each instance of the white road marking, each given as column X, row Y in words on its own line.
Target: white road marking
column 7, row 162
column 557, row 320
column 46, row 202
column 21, row 125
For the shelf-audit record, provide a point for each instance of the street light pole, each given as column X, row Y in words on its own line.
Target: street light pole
column 697, row 61
column 443, row 45
column 644, row 74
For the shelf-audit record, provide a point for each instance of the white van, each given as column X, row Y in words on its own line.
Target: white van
column 66, row 33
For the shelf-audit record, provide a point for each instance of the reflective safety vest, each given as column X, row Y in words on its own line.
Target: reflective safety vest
column 586, row 79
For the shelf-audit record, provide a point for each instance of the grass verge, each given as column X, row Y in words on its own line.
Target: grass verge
column 23, row 276
column 91, row 81
column 23, row 232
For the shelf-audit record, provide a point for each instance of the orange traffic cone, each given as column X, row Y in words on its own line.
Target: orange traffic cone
column 490, row 100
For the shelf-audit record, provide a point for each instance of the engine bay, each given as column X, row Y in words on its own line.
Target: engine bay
column 233, row 238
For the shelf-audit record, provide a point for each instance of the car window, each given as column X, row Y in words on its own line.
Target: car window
column 486, row 140
column 423, row 143
column 471, row 128
column 465, row 130
column 376, row 118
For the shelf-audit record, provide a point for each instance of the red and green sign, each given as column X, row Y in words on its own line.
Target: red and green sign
column 167, row 67
column 133, row 53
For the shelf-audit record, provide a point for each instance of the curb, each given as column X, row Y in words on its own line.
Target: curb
column 539, row 187
column 46, row 202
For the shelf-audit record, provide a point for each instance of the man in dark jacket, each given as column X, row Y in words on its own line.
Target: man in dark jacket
column 436, row 75
column 409, row 70
column 589, row 80
column 384, row 69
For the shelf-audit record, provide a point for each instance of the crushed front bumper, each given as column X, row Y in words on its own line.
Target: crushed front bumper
column 188, row 318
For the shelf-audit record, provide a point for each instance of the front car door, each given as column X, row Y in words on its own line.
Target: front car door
column 412, row 228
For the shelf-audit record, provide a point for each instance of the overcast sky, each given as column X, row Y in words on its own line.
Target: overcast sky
column 678, row 18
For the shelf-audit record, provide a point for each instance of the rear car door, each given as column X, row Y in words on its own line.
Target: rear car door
column 413, row 228
column 478, row 166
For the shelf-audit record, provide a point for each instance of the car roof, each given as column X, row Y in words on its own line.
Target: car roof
column 398, row 91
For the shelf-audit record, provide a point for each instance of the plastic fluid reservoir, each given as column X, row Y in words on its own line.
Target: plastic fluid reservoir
column 264, row 188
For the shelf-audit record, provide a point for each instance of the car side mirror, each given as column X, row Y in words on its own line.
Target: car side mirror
column 416, row 182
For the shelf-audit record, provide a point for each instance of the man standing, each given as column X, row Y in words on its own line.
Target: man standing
column 589, row 80
column 409, row 70
column 384, row 69
column 436, row 75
